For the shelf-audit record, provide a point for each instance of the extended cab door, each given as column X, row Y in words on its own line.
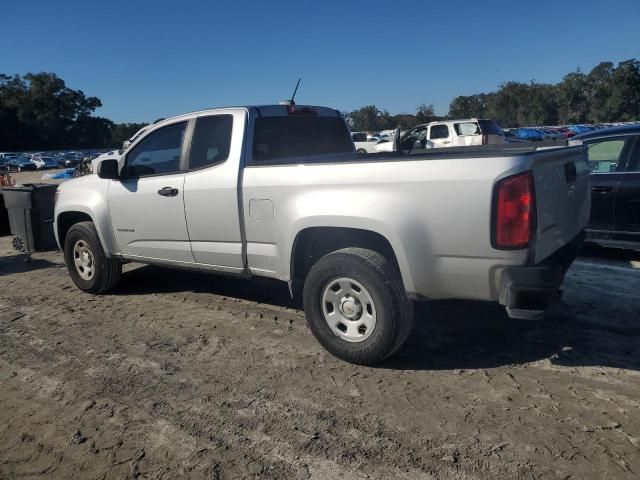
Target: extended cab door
column 147, row 203
column 211, row 187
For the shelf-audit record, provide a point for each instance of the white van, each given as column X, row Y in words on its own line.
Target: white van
column 453, row 133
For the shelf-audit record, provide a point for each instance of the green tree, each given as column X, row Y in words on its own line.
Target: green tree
column 366, row 119
column 573, row 98
column 623, row 103
column 471, row 106
column 123, row 131
column 599, row 85
column 44, row 113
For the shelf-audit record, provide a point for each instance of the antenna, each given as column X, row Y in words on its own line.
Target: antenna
column 295, row 91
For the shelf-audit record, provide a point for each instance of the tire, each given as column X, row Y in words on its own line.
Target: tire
column 361, row 151
column 380, row 280
column 99, row 273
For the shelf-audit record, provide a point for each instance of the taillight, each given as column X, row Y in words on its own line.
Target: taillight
column 514, row 211
column 485, row 139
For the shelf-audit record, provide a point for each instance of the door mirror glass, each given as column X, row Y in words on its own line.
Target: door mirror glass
column 108, row 169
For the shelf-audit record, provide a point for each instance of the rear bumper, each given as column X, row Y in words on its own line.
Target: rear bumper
column 527, row 292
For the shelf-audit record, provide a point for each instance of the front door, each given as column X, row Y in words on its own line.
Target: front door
column 626, row 219
column 607, row 159
column 147, row 203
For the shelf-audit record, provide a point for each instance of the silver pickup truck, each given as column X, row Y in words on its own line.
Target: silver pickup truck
column 278, row 191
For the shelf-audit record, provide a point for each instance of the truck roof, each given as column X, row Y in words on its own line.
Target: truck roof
column 262, row 110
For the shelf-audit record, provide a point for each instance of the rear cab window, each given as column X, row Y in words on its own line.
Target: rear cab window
column 282, row 134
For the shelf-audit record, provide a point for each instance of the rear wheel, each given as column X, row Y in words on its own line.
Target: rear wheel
column 356, row 306
column 88, row 266
column 361, row 151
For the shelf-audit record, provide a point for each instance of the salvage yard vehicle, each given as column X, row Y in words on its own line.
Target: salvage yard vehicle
column 366, row 144
column 452, row 133
column 20, row 164
column 43, row 162
column 278, row 191
column 614, row 158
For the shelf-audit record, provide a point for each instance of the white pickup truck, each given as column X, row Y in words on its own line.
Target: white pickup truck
column 278, row 191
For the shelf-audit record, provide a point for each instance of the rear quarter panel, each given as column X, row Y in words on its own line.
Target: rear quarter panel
column 435, row 213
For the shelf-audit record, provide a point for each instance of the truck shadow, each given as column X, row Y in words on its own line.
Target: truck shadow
column 449, row 334
column 150, row 279
column 472, row 335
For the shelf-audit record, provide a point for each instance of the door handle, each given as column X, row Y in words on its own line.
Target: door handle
column 601, row 190
column 168, row 192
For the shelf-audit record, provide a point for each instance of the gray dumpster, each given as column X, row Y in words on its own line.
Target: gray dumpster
column 30, row 209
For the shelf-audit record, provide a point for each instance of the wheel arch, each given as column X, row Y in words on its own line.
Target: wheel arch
column 66, row 219
column 313, row 242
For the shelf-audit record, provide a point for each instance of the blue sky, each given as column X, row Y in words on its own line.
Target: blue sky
column 149, row 59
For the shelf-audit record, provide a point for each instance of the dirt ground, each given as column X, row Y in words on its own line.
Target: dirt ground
column 183, row 374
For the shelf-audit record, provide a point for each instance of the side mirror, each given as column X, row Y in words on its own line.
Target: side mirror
column 108, row 169
column 126, row 144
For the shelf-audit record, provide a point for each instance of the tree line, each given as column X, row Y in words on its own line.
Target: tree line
column 39, row 112
column 607, row 93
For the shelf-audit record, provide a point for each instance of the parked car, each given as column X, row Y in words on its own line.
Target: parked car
column 566, row 133
column 579, row 129
column 366, row 144
column 530, row 134
column 71, row 159
column 357, row 238
column 452, row 133
column 43, row 163
column 614, row 158
column 511, row 137
column 20, row 164
column 5, row 157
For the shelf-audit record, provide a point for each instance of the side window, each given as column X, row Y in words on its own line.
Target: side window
column 211, row 141
column 605, row 155
column 158, row 153
column 468, row 128
column 438, row 131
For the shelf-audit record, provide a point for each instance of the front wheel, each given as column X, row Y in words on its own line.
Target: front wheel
column 90, row 269
column 356, row 305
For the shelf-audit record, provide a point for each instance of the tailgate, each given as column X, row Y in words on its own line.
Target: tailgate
column 563, row 197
